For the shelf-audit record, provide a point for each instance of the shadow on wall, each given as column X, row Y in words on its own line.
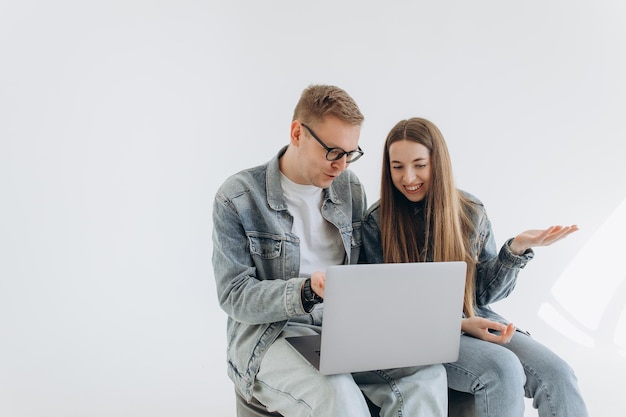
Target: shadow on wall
column 588, row 303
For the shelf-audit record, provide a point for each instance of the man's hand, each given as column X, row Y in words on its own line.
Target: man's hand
column 479, row 327
column 532, row 238
column 318, row 282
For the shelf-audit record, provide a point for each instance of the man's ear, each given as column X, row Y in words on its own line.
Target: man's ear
column 295, row 132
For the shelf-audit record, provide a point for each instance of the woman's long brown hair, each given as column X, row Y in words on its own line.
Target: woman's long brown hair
column 447, row 225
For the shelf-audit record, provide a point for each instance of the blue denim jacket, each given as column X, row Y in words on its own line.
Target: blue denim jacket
column 496, row 271
column 256, row 258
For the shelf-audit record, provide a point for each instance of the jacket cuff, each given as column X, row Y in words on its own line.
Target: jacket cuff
column 293, row 297
column 511, row 260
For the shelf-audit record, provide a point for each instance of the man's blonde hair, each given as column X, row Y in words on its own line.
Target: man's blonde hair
column 320, row 101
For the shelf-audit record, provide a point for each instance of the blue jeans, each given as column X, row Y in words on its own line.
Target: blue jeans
column 289, row 384
column 500, row 376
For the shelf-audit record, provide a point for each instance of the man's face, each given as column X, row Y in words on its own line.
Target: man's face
column 312, row 166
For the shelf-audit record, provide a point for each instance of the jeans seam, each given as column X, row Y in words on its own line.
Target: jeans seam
column 541, row 386
column 465, row 372
column 394, row 389
column 477, row 383
column 286, row 395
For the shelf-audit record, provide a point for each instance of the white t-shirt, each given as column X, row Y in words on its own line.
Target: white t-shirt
column 320, row 241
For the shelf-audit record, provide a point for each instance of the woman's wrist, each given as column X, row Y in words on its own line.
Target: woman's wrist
column 516, row 248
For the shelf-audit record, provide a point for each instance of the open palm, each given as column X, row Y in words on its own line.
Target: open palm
column 539, row 237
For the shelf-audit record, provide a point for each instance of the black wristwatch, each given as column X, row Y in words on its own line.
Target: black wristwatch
column 308, row 295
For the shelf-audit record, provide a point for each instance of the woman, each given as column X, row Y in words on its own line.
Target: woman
column 422, row 217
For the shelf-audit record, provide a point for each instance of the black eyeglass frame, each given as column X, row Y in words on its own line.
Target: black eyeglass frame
column 357, row 153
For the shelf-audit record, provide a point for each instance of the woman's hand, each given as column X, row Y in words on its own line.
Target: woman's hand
column 479, row 327
column 531, row 238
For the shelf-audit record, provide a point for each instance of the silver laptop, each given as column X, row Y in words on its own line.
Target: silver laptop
column 381, row 316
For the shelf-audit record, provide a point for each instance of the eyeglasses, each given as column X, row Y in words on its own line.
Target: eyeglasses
column 335, row 154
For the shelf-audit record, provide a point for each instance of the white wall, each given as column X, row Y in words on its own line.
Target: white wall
column 119, row 119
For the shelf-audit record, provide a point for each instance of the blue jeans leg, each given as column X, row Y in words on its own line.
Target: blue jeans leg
column 412, row 391
column 500, row 376
column 550, row 381
column 289, row 384
column 493, row 374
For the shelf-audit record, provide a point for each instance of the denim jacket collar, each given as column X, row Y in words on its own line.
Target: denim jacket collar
column 275, row 195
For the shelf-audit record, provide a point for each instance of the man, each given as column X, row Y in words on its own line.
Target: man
column 275, row 228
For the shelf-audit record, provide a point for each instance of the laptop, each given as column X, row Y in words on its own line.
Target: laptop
column 381, row 316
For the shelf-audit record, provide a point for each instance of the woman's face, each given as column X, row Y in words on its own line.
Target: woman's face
column 409, row 164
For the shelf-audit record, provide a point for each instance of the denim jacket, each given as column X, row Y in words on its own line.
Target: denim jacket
column 256, row 258
column 496, row 272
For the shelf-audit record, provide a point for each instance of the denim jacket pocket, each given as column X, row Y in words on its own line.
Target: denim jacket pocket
column 265, row 246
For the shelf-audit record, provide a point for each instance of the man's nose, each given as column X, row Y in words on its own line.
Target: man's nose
column 341, row 163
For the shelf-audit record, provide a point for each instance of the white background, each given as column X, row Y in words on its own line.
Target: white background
column 119, row 120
